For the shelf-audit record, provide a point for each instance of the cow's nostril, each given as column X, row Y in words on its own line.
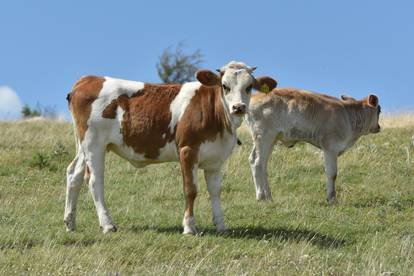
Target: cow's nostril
column 239, row 108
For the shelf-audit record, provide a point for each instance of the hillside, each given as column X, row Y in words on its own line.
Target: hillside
column 370, row 231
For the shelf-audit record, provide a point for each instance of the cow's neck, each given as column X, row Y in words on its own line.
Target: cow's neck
column 357, row 116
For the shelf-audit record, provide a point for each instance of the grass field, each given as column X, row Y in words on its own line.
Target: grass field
column 369, row 232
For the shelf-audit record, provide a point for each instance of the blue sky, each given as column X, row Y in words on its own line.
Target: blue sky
column 353, row 47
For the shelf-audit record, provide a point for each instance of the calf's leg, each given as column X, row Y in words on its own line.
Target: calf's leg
column 262, row 148
column 213, row 180
column 188, row 161
column 331, row 172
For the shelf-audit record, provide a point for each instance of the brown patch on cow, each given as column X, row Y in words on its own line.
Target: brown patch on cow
column 110, row 110
column 83, row 94
column 146, row 119
column 203, row 119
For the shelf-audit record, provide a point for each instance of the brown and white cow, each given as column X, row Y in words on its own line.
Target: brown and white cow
column 194, row 123
column 292, row 115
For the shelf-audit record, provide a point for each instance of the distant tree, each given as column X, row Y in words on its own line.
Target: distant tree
column 39, row 111
column 175, row 66
column 27, row 112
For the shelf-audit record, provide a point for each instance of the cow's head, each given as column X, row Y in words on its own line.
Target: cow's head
column 236, row 83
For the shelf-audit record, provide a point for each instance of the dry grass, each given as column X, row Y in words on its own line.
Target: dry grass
column 401, row 120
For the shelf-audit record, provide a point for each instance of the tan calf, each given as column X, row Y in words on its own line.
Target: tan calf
column 292, row 115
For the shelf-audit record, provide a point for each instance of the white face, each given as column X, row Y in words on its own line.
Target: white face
column 237, row 86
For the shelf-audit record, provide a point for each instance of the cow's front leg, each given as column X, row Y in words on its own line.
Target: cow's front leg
column 213, row 180
column 188, row 161
column 96, row 163
column 331, row 172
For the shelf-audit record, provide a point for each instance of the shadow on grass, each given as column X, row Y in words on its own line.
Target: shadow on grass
column 80, row 243
column 261, row 234
column 29, row 244
column 20, row 245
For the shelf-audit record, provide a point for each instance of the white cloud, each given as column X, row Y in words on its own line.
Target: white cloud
column 10, row 104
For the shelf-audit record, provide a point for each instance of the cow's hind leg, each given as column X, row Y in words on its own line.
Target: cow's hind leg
column 74, row 175
column 96, row 162
column 213, row 180
column 188, row 161
column 262, row 148
column 330, row 159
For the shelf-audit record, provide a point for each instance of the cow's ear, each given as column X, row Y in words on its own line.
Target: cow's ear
column 372, row 100
column 265, row 84
column 206, row 77
column 347, row 98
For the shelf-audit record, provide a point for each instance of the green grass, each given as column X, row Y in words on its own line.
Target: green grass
column 370, row 231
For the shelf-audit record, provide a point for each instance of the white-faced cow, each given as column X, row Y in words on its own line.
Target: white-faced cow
column 194, row 123
column 292, row 115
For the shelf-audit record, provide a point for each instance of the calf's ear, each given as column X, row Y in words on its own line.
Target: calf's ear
column 372, row 100
column 206, row 77
column 265, row 84
column 347, row 98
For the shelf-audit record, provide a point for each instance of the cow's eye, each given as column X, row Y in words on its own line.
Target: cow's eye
column 226, row 88
column 249, row 89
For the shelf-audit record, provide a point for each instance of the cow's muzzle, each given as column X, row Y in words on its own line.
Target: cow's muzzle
column 239, row 109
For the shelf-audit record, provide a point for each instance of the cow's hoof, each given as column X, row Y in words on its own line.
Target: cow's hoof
column 190, row 231
column 109, row 228
column 189, row 226
column 70, row 229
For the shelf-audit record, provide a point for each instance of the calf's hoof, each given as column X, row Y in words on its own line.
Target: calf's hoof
column 221, row 228
column 332, row 201
column 109, row 228
column 70, row 223
column 264, row 197
column 223, row 231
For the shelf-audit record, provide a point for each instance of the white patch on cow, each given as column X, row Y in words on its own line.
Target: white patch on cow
column 111, row 90
column 212, row 154
column 180, row 103
column 119, row 87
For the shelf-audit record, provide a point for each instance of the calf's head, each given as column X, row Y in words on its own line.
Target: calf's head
column 373, row 110
column 370, row 112
column 236, row 83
